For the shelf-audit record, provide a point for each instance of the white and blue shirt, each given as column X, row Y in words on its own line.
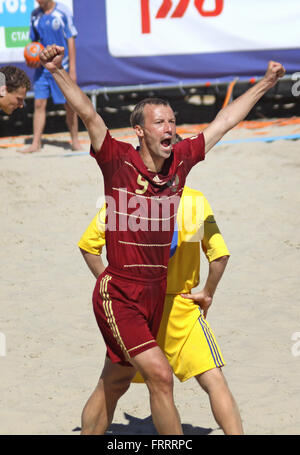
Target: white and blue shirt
column 54, row 28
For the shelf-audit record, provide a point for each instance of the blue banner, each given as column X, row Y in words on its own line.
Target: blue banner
column 121, row 46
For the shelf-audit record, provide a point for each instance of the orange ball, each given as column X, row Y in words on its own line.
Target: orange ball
column 32, row 51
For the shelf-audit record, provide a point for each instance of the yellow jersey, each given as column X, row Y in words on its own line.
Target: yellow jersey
column 195, row 224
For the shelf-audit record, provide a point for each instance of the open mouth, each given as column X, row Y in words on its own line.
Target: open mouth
column 166, row 143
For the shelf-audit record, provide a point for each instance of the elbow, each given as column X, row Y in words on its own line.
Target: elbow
column 225, row 121
column 224, row 260
column 88, row 115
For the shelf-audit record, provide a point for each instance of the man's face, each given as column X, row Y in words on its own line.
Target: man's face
column 159, row 130
column 13, row 100
column 45, row 3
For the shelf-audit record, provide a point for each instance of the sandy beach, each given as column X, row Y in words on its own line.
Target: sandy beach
column 53, row 351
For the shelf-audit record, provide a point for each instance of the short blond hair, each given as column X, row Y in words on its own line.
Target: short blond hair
column 137, row 115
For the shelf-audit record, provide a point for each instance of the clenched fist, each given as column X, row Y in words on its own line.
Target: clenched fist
column 51, row 57
column 274, row 71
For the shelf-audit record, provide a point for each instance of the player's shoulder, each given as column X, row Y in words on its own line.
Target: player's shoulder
column 187, row 191
column 37, row 12
column 127, row 146
column 193, row 146
column 64, row 9
column 188, row 140
column 112, row 148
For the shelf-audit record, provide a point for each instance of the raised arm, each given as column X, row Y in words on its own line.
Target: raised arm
column 51, row 58
column 236, row 111
column 72, row 58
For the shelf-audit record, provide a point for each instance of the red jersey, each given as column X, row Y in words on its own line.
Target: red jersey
column 142, row 205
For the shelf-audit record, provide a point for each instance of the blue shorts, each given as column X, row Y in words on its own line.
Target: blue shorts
column 45, row 86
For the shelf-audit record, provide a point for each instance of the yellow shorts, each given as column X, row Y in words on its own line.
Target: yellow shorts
column 187, row 339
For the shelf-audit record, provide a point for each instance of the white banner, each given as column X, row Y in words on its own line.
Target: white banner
column 138, row 28
column 14, row 27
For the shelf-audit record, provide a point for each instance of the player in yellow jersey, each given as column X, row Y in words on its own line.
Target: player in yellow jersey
column 185, row 336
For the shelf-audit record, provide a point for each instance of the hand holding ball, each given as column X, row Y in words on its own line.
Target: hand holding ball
column 31, row 54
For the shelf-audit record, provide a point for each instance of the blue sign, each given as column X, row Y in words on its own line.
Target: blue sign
column 100, row 65
column 15, row 13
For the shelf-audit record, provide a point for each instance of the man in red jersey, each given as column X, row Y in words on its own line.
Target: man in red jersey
column 129, row 295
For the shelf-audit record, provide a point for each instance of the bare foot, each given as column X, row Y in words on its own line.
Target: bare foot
column 76, row 146
column 31, row 149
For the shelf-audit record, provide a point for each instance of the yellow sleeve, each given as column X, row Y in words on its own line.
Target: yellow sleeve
column 213, row 244
column 93, row 239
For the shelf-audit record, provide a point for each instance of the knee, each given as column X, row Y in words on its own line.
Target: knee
column 212, row 380
column 118, row 388
column 160, row 379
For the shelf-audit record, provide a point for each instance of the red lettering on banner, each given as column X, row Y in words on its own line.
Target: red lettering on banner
column 164, row 9
column 145, row 11
column 179, row 11
column 181, row 8
column 216, row 12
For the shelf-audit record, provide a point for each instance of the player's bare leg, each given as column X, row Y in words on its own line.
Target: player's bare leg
column 98, row 412
column 222, row 402
column 158, row 375
column 72, row 122
column 39, row 121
